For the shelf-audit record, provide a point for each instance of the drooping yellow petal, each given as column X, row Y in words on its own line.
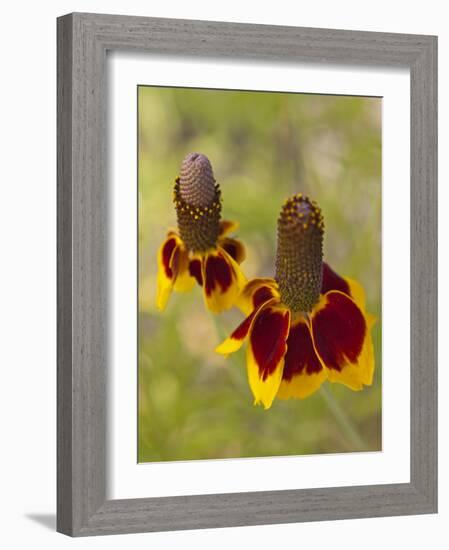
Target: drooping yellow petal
column 357, row 293
column 234, row 248
column 303, row 372
column 264, row 391
column 357, row 374
column 235, row 340
column 342, row 339
column 184, row 281
column 228, row 226
column 167, row 259
column 265, row 352
column 351, row 287
column 222, row 280
column 255, row 293
column 196, row 268
column 163, row 291
column 301, row 386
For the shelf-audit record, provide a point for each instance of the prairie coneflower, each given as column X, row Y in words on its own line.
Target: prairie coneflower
column 306, row 325
column 201, row 249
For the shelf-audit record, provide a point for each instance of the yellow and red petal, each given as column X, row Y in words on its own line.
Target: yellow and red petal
column 266, row 350
column 234, row 248
column 333, row 281
column 235, row 340
column 222, row 280
column 168, row 265
column 196, row 270
column 227, row 226
column 342, row 339
column 303, row 372
column 184, row 280
column 255, row 293
column 357, row 293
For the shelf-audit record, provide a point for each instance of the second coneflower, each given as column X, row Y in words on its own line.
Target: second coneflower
column 201, row 249
column 306, row 325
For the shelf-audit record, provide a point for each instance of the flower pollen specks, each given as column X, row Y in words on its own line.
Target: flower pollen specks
column 299, row 257
column 197, row 200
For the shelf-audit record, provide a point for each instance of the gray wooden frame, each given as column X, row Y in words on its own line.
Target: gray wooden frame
column 83, row 40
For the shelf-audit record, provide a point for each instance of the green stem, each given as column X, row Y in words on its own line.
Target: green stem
column 347, row 426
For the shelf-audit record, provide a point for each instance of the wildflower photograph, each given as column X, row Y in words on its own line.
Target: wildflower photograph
column 259, row 274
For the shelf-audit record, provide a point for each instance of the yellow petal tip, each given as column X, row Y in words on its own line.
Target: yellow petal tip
column 230, row 345
column 220, row 349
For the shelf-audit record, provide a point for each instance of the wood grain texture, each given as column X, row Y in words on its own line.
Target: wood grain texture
column 64, row 276
column 83, row 40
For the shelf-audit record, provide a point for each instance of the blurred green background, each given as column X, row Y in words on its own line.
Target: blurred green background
column 193, row 403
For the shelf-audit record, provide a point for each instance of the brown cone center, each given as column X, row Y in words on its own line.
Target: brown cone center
column 197, row 200
column 299, row 256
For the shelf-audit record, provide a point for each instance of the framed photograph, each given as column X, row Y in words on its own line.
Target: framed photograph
column 247, row 280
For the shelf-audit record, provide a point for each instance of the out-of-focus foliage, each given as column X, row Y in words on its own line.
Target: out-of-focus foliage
column 194, row 404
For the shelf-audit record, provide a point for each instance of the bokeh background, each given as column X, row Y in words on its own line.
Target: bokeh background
column 193, row 403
